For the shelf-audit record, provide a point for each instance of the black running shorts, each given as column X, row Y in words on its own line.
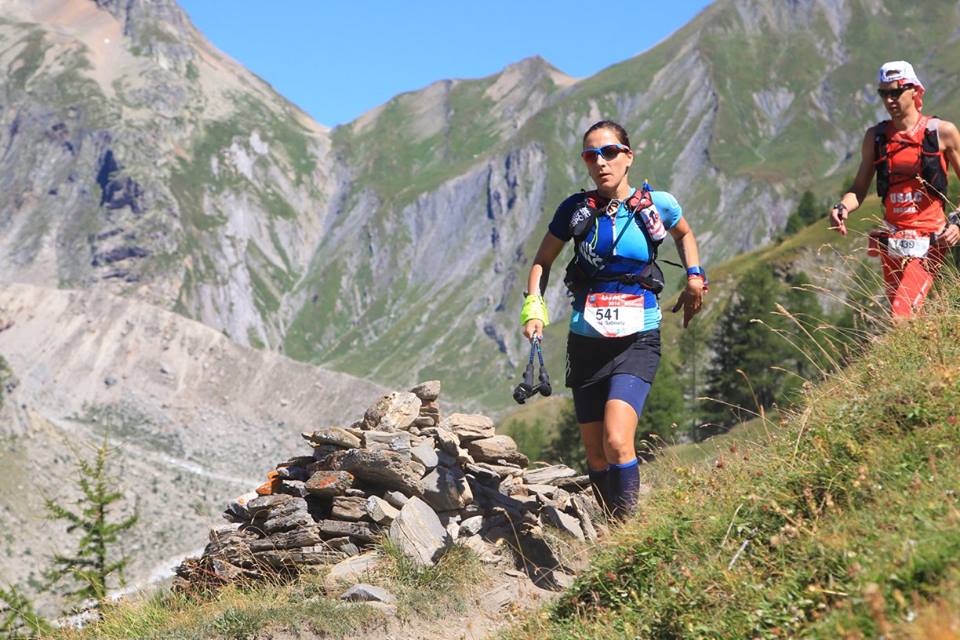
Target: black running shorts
column 592, row 360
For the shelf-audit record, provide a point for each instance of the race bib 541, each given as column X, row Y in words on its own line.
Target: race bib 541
column 614, row 315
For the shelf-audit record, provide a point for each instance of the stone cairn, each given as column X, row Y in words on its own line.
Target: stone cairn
column 405, row 473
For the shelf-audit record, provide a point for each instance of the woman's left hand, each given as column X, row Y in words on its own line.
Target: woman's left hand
column 691, row 299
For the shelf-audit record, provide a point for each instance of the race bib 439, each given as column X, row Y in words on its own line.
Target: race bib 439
column 908, row 245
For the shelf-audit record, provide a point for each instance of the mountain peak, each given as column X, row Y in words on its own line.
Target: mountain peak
column 536, row 66
column 155, row 28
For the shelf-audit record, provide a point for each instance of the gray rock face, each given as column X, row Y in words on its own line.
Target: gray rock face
column 367, row 593
column 383, row 468
column 393, row 412
column 446, row 489
column 419, row 533
column 496, row 449
column 469, row 426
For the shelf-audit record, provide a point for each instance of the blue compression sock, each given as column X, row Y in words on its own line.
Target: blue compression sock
column 600, row 481
column 624, row 483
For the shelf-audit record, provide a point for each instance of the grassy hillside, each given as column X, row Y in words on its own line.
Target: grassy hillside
column 840, row 522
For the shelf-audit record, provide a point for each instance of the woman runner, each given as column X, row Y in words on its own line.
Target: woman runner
column 909, row 153
column 613, row 348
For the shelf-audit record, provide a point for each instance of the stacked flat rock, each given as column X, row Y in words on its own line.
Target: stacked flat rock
column 403, row 472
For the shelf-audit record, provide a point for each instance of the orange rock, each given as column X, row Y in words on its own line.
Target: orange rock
column 271, row 486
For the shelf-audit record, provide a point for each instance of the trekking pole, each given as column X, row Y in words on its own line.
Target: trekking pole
column 544, row 387
column 525, row 389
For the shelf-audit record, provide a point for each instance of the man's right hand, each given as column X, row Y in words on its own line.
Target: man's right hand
column 533, row 328
column 838, row 219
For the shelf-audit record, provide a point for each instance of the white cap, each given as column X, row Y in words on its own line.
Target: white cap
column 899, row 70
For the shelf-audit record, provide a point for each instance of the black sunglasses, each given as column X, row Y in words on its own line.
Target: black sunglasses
column 893, row 93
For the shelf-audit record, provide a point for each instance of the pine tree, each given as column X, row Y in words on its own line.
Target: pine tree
column 92, row 565
column 805, row 214
column 741, row 343
column 18, row 617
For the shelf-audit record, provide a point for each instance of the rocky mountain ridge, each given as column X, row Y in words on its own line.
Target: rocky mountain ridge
column 394, row 247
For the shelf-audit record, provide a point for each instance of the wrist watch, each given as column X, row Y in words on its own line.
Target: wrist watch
column 696, row 271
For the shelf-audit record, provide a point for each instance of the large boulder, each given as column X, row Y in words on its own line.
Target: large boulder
column 393, row 412
column 383, row 468
column 419, row 534
column 495, row 449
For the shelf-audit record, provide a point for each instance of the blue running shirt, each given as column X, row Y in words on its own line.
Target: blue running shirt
column 631, row 254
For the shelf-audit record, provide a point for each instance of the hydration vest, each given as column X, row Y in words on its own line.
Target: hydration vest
column 928, row 159
column 581, row 269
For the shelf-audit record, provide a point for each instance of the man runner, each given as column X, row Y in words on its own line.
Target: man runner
column 909, row 153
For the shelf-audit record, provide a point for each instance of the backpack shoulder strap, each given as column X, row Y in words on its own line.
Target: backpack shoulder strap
column 638, row 201
column 584, row 216
column 931, row 136
column 880, row 141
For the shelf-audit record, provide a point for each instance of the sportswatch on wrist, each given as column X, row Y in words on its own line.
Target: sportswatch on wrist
column 698, row 272
column 954, row 218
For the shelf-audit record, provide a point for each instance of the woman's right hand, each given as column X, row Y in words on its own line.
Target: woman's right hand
column 533, row 328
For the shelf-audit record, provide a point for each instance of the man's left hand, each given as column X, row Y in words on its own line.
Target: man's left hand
column 950, row 236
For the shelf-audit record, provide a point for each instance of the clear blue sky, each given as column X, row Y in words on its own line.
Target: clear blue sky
column 338, row 59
